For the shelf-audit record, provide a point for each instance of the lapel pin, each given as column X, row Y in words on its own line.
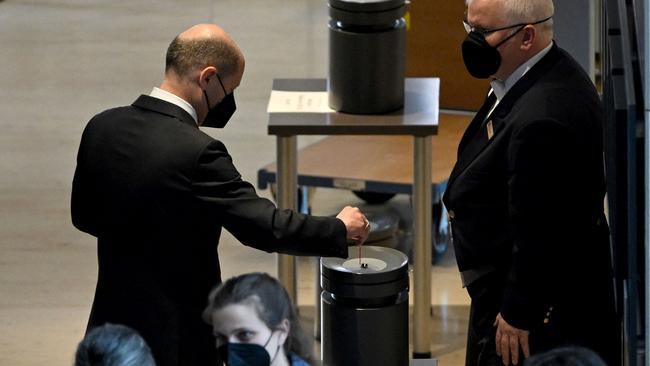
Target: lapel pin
column 490, row 130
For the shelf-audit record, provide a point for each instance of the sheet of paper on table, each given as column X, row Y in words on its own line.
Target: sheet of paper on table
column 298, row 102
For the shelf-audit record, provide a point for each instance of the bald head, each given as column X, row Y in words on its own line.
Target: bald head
column 201, row 46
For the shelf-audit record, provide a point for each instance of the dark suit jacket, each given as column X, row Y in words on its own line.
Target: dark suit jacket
column 527, row 204
column 156, row 191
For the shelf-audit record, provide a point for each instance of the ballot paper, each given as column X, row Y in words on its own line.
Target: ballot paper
column 298, row 102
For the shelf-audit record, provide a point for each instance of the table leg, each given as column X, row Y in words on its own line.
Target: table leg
column 304, row 208
column 287, row 183
column 317, row 307
column 422, row 247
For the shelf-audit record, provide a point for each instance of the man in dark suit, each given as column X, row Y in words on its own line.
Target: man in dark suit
column 525, row 198
column 156, row 191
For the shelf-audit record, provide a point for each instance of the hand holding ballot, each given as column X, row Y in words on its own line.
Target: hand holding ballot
column 356, row 224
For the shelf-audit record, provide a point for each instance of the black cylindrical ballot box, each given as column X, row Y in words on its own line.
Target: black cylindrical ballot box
column 367, row 43
column 364, row 308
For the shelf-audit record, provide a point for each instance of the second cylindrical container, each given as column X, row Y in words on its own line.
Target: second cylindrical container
column 367, row 42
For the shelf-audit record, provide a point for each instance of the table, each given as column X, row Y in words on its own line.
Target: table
column 379, row 164
column 419, row 119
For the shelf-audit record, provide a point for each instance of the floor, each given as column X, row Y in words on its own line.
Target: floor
column 62, row 61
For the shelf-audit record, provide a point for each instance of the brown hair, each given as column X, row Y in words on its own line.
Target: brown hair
column 271, row 302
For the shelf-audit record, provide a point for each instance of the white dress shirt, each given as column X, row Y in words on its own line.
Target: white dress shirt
column 500, row 88
column 174, row 99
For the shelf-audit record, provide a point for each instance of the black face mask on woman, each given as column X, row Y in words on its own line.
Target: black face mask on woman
column 246, row 354
column 219, row 115
column 481, row 59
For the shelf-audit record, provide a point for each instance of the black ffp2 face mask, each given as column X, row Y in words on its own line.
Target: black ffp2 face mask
column 481, row 59
column 244, row 354
column 220, row 114
column 247, row 354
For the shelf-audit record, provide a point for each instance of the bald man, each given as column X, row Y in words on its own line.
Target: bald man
column 525, row 198
column 156, row 191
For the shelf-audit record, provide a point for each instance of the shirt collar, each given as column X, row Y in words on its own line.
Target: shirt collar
column 500, row 88
column 174, row 99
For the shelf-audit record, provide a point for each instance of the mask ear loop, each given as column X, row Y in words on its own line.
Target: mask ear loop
column 510, row 36
column 277, row 350
column 222, row 87
column 207, row 100
column 518, row 30
column 276, row 354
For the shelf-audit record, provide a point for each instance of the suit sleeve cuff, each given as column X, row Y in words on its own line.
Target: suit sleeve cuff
column 341, row 234
column 516, row 309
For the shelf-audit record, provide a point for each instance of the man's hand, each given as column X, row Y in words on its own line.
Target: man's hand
column 356, row 224
column 508, row 340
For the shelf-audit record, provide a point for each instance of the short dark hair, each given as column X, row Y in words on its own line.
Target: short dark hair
column 183, row 55
column 272, row 305
column 566, row 356
column 113, row 345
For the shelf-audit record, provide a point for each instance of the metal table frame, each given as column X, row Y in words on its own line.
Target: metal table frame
column 419, row 118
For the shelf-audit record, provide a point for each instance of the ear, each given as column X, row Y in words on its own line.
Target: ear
column 530, row 34
column 206, row 75
column 284, row 329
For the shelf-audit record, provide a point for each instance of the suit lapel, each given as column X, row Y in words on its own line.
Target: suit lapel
column 476, row 138
column 164, row 107
column 472, row 141
column 476, row 123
